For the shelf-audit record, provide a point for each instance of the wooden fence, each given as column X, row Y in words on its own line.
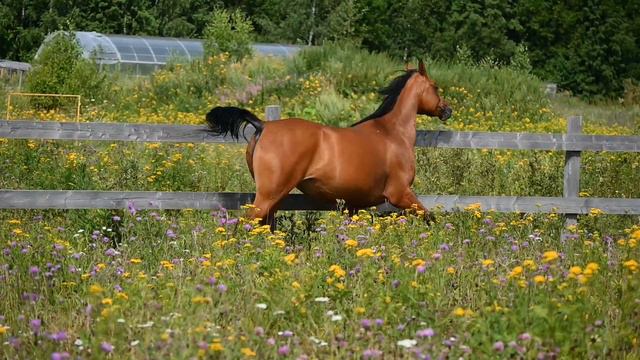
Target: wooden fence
column 572, row 143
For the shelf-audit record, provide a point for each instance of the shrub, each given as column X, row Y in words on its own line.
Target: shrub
column 61, row 69
column 228, row 32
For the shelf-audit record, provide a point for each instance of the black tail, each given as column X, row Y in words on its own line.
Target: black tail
column 231, row 120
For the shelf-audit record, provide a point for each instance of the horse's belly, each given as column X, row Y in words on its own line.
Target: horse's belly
column 354, row 194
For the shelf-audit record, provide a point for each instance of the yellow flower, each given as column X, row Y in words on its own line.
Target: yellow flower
column 95, row 289
column 368, row 252
column 351, row 243
column 539, row 279
column 631, row 265
column 595, row 212
column 487, row 263
column 221, row 230
column 337, row 271
column 3, row 329
column 549, row 256
column 418, row 262
column 201, row 300
column 247, row 352
column 574, row 271
column 451, row 270
column 107, row 301
column 530, row 264
column 636, row 234
column 516, row 272
column 122, row 295
column 135, row 261
column 360, row 310
column 458, row 312
column 216, row 346
column 295, row 285
column 290, row 259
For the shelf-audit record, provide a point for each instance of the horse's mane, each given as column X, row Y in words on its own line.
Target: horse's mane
column 391, row 93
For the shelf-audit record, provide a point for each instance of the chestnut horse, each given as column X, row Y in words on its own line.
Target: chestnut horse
column 371, row 162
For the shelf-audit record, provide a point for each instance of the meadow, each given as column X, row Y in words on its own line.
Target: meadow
column 194, row 284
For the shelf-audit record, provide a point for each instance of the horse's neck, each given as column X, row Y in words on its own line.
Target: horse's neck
column 401, row 120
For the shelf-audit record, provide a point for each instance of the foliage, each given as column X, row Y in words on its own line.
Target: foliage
column 187, row 284
column 60, row 69
column 228, row 32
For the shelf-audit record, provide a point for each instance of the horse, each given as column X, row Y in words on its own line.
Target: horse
column 366, row 164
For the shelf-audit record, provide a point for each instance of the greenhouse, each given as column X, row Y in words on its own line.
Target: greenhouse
column 141, row 55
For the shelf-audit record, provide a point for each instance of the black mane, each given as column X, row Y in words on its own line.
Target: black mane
column 391, row 93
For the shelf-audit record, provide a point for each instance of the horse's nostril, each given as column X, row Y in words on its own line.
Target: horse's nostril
column 445, row 113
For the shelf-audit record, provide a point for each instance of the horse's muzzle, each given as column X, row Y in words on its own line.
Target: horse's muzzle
column 445, row 113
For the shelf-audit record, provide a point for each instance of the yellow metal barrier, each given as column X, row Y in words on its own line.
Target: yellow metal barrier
column 77, row 97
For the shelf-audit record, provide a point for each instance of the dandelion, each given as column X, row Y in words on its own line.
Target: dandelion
column 350, row 244
column 337, row 271
column 632, row 265
column 487, row 263
column 248, row 352
column 529, row 264
column 549, row 256
column 451, row 270
column 290, row 259
column 368, row 252
column 539, row 279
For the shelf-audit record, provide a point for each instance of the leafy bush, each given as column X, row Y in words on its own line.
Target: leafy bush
column 229, row 32
column 61, row 69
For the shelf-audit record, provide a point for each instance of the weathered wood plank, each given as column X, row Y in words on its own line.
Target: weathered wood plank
column 83, row 199
column 571, row 186
column 20, row 129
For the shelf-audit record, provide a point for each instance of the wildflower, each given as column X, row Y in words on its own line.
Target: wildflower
column 574, row 271
column 530, row 264
column 539, row 279
column 498, row 346
column 632, row 265
column 290, row 259
column 34, row 270
column 407, row 343
column 425, row 333
column 35, row 325
column 594, row 212
column 337, row 271
column 216, row 346
column 248, row 352
column 201, row 300
column 3, row 329
column 106, row 347
column 284, row 350
column 321, row 299
column 261, row 306
column 549, row 256
column 135, row 261
column 368, row 252
column 350, row 243
column 360, row 310
column 451, row 270
column 458, row 312
column 591, row 269
column 516, row 272
column 365, row 323
column 107, row 301
column 60, row 355
column 371, row 354
column 418, row 263
column 487, row 263
column 59, row 336
column 95, row 289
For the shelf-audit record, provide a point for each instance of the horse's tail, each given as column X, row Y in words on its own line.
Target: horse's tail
column 231, row 120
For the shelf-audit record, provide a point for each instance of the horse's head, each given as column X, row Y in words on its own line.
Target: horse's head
column 429, row 101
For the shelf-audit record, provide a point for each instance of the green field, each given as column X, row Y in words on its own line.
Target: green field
column 194, row 284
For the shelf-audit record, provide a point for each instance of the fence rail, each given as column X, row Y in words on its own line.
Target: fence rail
column 47, row 130
column 573, row 143
column 86, row 199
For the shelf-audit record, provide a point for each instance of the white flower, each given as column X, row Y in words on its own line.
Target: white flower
column 121, row 321
column 336, row 318
column 318, row 341
column 148, row 324
column 134, row 342
column 322, row 299
column 261, row 306
column 407, row 343
column 278, row 312
column 78, row 342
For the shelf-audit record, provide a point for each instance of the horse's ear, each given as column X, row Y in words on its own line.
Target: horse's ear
column 421, row 69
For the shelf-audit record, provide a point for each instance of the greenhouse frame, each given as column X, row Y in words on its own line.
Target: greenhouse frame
column 141, row 55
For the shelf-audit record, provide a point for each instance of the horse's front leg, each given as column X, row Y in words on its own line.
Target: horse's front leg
column 407, row 200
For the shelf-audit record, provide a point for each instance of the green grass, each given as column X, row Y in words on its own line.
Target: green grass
column 175, row 284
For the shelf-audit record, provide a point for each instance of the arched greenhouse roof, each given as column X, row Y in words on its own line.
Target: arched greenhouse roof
column 131, row 49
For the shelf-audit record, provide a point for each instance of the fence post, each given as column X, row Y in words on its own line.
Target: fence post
column 571, row 186
column 272, row 112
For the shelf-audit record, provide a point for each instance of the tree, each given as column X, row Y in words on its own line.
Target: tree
column 229, row 32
